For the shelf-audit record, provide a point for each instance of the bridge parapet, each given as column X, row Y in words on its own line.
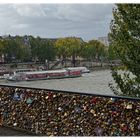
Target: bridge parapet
column 61, row 113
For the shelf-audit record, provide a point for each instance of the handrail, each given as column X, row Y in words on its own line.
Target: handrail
column 72, row 92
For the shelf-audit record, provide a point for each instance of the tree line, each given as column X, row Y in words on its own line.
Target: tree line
column 29, row 48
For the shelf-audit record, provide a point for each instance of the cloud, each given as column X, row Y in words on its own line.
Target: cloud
column 56, row 20
column 28, row 10
column 20, row 26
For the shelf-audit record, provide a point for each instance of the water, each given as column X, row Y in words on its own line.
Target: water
column 95, row 82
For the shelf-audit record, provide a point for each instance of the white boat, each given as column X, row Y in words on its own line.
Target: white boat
column 17, row 74
column 40, row 75
column 23, row 70
column 82, row 69
column 5, row 73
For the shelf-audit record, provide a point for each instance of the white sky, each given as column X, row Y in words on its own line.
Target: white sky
column 56, row 20
column 88, row 21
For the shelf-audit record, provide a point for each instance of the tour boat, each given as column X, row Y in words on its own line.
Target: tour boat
column 82, row 69
column 4, row 73
column 23, row 70
column 40, row 75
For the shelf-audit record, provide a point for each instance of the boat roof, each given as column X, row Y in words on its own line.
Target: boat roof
column 76, row 68
column 42, row 72
column 5, row 71
column 24, row 69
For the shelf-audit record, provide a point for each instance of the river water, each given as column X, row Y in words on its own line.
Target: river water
column 95, row 82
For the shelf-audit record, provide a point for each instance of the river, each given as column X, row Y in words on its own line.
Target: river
column 95, row 82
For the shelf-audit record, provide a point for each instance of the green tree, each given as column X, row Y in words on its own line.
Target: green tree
column 125, row 37
column 89, row 51
column 24, row 53
column 35, row 44
column 1, row 49
column 11, row 49
column 94, row 50
column 111, row 53
column 47, row 51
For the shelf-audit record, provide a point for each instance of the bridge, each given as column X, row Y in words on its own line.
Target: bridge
column 47, row 112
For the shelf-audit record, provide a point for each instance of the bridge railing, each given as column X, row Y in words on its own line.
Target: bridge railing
column 62, row 113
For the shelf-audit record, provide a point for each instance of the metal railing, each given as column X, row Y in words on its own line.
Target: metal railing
column 63, row 113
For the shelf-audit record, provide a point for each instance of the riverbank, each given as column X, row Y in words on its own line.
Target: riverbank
column 90, row 65
column 100, row 68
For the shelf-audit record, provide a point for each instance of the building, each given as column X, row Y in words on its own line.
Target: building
column 104, row 40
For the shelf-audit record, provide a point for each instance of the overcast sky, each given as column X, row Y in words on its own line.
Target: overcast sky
column 88, row 21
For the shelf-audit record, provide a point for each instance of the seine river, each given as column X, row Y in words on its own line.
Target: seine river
column 95, row 82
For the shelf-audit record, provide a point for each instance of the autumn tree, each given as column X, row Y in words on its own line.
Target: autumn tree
column 74, row 48
column 61, row 46
column 68, row 47
column 125, row 37
column 1, row 47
